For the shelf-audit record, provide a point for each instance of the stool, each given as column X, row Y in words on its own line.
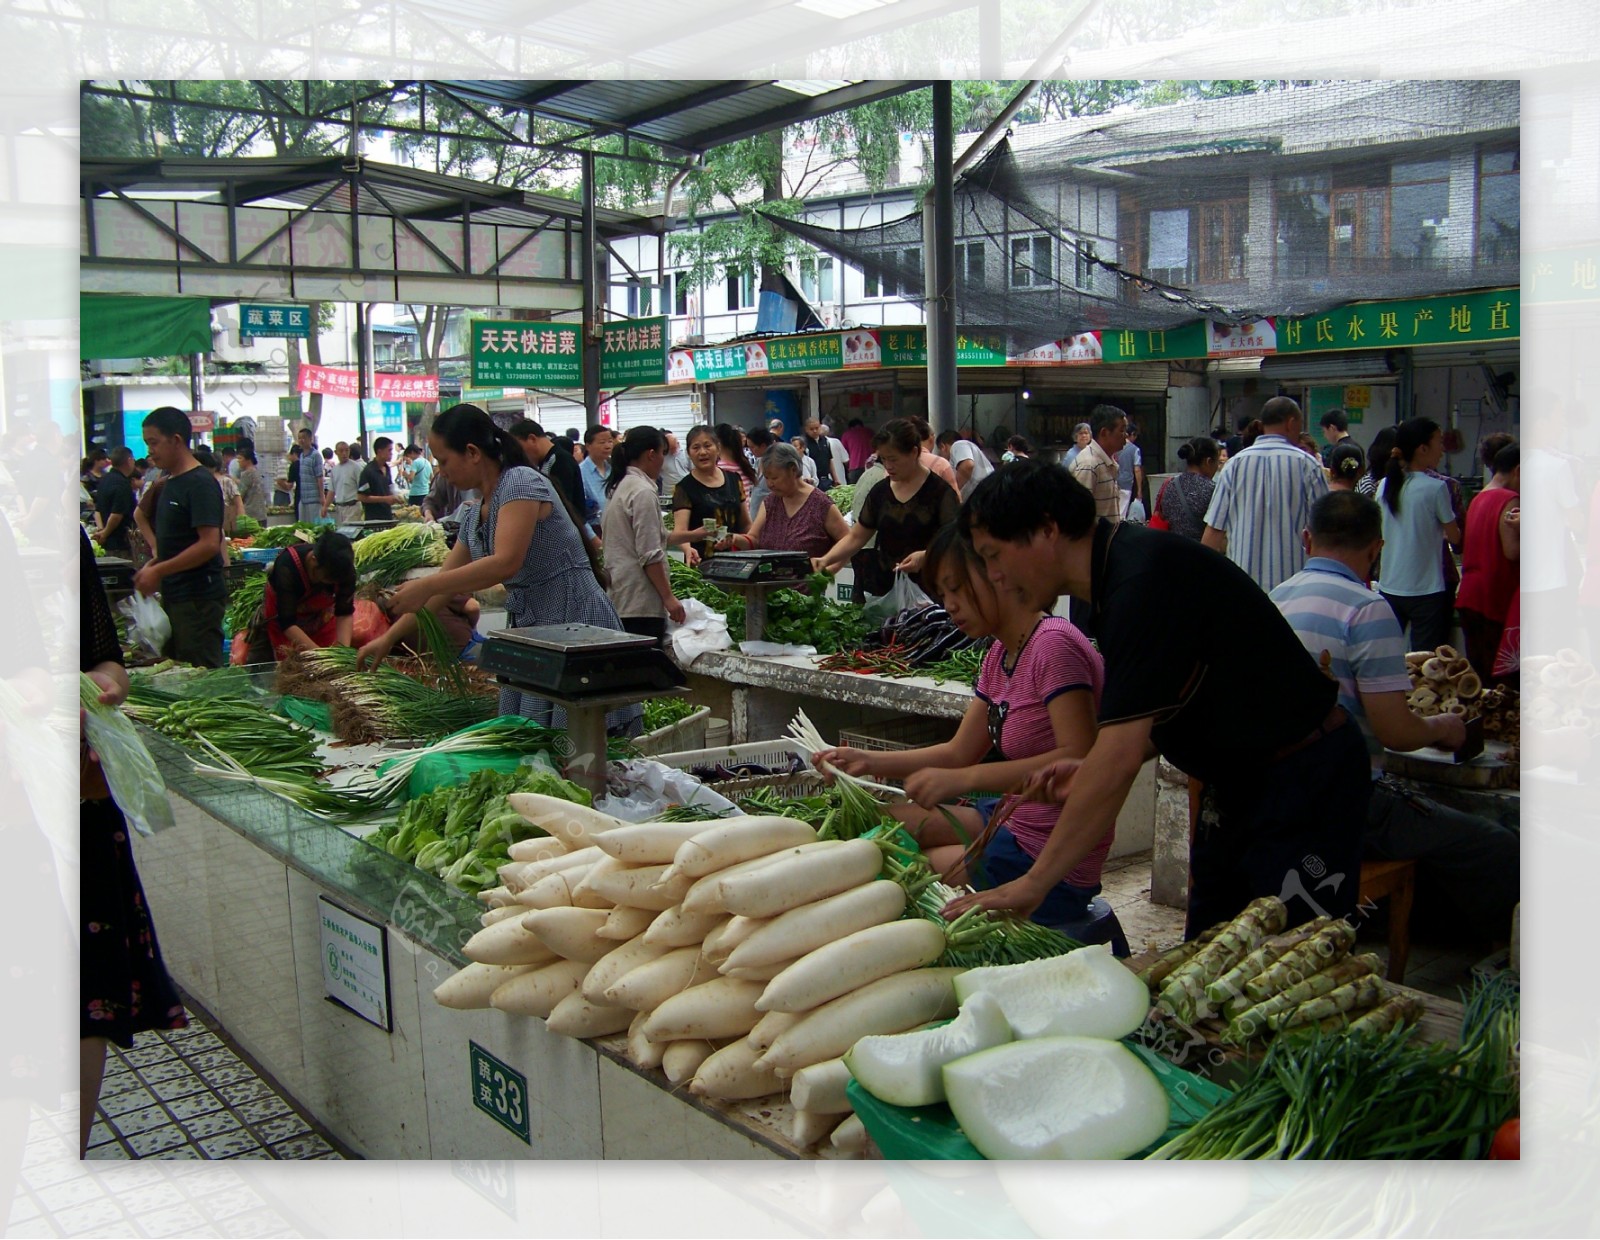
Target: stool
column 1398, row 881
column 1099, row 925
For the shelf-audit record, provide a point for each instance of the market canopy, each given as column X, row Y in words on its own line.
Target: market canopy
column 112, row 326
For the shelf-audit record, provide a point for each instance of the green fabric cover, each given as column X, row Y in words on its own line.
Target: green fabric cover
column 111, row 325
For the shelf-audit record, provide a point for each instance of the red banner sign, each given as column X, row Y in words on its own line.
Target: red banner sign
column 331, row 381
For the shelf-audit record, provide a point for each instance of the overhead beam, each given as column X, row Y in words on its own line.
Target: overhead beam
column 683, row 103
column 803, row 109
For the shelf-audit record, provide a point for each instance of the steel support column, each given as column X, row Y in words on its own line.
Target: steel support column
column 592, row 335
column 940, row 268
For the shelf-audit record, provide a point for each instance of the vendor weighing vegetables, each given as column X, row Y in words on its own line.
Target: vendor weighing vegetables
column 310, row 599
column 1284, row 768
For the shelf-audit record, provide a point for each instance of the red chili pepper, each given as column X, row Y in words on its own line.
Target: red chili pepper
column 1507, row 1142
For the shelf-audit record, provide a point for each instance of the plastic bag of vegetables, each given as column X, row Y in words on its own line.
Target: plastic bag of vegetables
column 136, row 784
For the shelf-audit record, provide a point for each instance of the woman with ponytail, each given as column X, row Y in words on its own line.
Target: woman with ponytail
column 1417, row 514
column 635, row 543
column 519, row 534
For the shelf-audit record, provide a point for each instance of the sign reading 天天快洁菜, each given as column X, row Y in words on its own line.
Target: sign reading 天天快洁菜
column 355, row 963
column 514, row 354
column 499, row 1091
column 1458, row 318
column 634, row 352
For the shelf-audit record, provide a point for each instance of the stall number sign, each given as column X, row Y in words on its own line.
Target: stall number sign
column 499, row 1091
column 355, row 963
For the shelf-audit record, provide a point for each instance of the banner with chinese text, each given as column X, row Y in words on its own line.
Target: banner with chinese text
column 1173, row 344
column 507, row 353
column 1459, row 318
column 406, row 387
column 329, row 381
column 634, row 352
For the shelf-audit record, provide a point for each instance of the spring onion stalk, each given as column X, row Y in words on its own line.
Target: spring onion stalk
column 381, row 704
column 804, row 733
column 388, row 555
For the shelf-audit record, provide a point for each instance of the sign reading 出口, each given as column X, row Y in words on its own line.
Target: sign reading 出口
column 634, row 351
column 1451, row 319
column 1172, row 344
column 525, row 354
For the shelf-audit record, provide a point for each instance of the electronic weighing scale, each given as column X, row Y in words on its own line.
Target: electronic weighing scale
column 753, row 573
column 586, row 670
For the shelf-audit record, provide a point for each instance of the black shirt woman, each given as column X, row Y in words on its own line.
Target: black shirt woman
column 310, row 599
column 905, row 511
column 708, row 493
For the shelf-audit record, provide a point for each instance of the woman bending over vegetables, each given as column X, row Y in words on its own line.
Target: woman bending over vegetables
column 1036, row 700
column 310, row 600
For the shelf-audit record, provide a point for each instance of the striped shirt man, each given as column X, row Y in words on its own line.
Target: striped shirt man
column 1098, row 473
column 1262, row 502
column 1351, row 631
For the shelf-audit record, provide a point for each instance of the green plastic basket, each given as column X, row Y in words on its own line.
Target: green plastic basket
column 932, row 1132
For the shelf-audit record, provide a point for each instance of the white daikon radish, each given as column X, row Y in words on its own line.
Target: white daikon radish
column 648, row 843
column 733, row 931
column 761, row 973
column 495, row 897
column 853, row 962
column 568, row 932
column 891, row 1005
column 536, row 848
column 732, row 1074
column 576, row 1017
column 471, row 987
column 553, row 890
column 511, row 874
column 508, row 942
column 536, row 992
column 850, row 1137
column 1086, row 993
column 906, row 1069
column 793, row 881
column 675, row 928
column 533, row 871
column 642, row 1052
column 770, row 1026
column 820, row 1088
column 682, row 1059
column 720, row 1008
column 809, row 1127
column 623, row 923
column 574, row 825
column 1057, row 1097
column 819, row 923
column 739, row 839
column 649, row 985
column 699, row 898
column 615, row 964
column 634, row 886
column 502, row 913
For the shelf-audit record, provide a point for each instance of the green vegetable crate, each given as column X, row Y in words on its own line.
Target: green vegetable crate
column 932, row 1132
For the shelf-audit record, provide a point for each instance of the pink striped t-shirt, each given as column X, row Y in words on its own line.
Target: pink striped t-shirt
column 1056, row 659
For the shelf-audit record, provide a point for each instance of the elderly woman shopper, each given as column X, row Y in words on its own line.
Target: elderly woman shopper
column 796, row 515
column 635, row 542
column 518, row 534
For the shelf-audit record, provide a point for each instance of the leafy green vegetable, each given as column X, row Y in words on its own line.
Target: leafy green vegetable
column 664, row 711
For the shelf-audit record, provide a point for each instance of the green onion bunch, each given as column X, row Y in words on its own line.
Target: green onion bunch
column 385, row 556
column 250, row 735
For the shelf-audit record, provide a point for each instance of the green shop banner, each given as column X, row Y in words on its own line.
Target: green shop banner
column 724, row 363
column 634, row 352
column 513, row 354
column 791, row 356
column 1191, row 340
column 1461, row 318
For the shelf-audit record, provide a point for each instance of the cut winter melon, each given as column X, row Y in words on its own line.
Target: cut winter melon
column 1057, row 1098
column 1086, row 993
column 905, row 1068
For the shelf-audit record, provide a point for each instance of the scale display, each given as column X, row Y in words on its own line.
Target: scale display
column 756, row 567
column 579, row 660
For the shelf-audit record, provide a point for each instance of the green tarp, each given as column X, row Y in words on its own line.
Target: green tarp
column 115, row 326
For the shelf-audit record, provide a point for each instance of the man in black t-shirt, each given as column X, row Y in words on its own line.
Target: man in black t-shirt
column 113, row 500
column 189, row 563
column 376, row 486
column 1285, row 770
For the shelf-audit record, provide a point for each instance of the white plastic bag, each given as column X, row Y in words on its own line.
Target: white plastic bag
column 640, row 789
column 1136, row 513
column 904, row 595
column 147, row 623
column 702, row 630
column 773, row 650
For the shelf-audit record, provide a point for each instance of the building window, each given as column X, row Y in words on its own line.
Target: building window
column 1499, row 206
column 741, row 289
column 817, row 278
column 900, row 280
column 1223, row 227
column 971, row 265
column 680, row 292
column 1031, row 265
column 1085, row 254
column 1167, row 258
column 639, row 298
column 1419, row 214
column 1358, row 231
column 1302, row 213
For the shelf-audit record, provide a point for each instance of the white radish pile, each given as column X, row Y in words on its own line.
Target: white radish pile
column 740, row 957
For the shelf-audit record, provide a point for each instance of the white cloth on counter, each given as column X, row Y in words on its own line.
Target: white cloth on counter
column 702, row 630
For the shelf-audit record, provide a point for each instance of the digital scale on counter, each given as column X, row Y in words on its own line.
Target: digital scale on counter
column 586, row 670
column 753, row 573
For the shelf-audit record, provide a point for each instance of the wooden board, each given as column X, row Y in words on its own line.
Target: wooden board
column 1490, row 769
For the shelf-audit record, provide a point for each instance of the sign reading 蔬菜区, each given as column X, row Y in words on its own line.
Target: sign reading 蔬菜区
column 261, row 320
column 526, row 354
column 634, row 352
column 1450, row 319
column 499, row 1091
column 355, row 963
